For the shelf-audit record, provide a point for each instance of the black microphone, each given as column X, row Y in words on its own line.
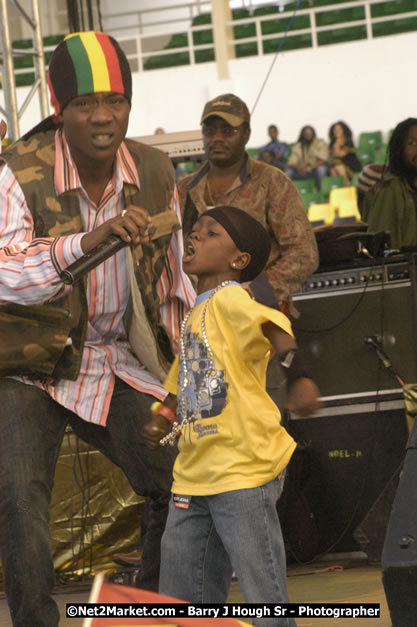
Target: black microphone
column 92, row 259
column 164, row 223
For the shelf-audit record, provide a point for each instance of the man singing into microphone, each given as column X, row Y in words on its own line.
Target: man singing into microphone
column 91, row 355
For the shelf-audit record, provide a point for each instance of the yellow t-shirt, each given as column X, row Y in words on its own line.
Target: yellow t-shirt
column 238, row 442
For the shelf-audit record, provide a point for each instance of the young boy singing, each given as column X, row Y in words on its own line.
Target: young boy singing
column 233, row 451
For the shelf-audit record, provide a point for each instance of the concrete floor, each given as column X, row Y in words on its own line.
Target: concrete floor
column 352, row 581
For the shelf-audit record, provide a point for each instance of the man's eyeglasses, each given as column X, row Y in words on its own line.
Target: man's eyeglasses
column 226, row 130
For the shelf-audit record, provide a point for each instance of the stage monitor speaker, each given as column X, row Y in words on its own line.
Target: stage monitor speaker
column 354, row 451
column 340, row 310
column 399, row 558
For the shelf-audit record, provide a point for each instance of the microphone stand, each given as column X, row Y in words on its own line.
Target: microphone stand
column 376, row 343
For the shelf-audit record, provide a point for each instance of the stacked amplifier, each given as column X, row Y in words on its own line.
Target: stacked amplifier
column 345, row 314
column 355, row 321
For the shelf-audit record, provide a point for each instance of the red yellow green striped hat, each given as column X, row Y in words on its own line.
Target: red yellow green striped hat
column 87, row 63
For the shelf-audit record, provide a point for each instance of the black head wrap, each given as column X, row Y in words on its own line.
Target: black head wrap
column 249, row 235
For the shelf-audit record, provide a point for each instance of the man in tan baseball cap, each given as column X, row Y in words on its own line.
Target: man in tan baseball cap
column 231, row 177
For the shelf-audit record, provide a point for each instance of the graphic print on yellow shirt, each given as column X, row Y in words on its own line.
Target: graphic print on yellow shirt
column 238, row 442
column 212, row 390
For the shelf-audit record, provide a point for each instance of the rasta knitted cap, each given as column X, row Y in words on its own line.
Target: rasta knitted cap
column 249, row 235
column 86, row 63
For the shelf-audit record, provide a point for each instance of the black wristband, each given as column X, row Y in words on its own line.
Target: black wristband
column 293, row 365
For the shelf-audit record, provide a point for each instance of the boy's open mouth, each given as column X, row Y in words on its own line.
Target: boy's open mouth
column 189, row 252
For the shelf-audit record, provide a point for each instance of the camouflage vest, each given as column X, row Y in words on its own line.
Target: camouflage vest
column 47, row 340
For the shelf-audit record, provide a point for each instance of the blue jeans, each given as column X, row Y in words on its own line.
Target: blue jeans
column 234, row 531
column 317, row 174
column 32, row 427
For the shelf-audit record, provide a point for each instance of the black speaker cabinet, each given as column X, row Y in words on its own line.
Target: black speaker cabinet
column 354, row 451
column 341, row 309
column 399, row 558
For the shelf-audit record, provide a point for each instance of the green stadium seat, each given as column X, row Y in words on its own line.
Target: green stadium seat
column 241, row 31
column 331, row 182
column 240, row 14
column 24, row 80
column 366, row 154
column 204, row 56
column 326, row 18
column 268, row 26
column 159, row 61
column 26, row 61
column 373, row 139
column 201, row 19
column 28, row 78
column 305, row 185
column 394, row 27
column 304, row 4
column 189, row 167
column 355, row 177
column 381, row 154
column 262, row 11
column 340, row 35
column 311, row 198
column 51, row 40
column 274, row 26
column 393, row 7
column 249, row 49
column 279, row 25
column 294, row 42
column 179, row 40
column 323, row 3
column 252, row 152
column 203, row 38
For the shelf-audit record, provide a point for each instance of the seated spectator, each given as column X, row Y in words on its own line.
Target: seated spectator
column 342, row 152
column 278, row 150
column 308, row 157
column 391, row 204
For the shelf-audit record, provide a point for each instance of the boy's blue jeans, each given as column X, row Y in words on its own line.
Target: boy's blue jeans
column 234, row 531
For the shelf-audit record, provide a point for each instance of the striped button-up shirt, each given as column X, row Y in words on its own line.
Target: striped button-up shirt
column 29, row 274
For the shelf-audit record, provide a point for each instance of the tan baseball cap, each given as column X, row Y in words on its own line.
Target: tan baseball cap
column 228, row 107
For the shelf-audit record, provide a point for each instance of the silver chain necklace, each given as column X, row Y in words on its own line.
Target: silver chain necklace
column 210, row 370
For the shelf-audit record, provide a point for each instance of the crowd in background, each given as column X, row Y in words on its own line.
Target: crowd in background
column 311, row 156
column 386, row 192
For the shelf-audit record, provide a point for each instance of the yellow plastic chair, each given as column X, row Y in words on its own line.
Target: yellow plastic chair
column 348, row 211
column 344, row 204
column 320, row 213
column 341, row 193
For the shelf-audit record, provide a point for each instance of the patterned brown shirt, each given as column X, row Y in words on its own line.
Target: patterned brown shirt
column 269, row 196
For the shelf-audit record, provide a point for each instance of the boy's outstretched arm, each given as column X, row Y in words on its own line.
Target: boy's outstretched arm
column 303, row 393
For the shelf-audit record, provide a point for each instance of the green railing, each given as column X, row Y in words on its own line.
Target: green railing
column 23, row 52
column 256, row 31
column 259, row 31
